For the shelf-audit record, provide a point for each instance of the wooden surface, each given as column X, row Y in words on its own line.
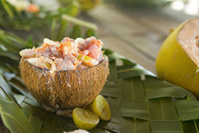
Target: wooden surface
column 136, row 34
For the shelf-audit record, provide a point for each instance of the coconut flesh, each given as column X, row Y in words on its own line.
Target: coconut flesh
column 188, row 38
column 63, row 89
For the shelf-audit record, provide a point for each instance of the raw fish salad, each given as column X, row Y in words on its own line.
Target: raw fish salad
column 69, row 54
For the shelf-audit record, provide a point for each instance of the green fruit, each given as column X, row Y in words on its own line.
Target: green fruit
column 84, row 119
column 101, row 108
column 177, row 60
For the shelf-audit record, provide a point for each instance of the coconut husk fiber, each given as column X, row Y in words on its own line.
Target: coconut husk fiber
column 66, row 89
column 178, row 58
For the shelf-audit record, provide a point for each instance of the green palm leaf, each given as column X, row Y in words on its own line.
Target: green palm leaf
column 14, row 118
column 6, row 6
column 139, row 101
column 5, row 89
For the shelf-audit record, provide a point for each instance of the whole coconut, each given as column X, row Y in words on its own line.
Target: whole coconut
column 66, row 89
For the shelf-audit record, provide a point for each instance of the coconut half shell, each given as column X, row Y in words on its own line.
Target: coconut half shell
column 66, row 89
column 178, row 58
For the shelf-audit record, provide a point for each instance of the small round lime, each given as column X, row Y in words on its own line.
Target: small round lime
column 101, row 108
column 84, row 119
